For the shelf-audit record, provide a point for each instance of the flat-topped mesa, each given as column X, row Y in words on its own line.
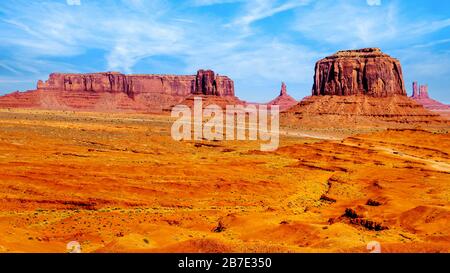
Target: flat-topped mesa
column 113, row 82
column 366, row 71
column 113, row 91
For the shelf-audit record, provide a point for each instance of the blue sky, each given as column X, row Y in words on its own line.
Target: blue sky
column 258, row 43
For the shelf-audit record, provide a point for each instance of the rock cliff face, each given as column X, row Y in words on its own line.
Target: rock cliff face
column 112, row 91
column 360, row 88
column 206, row 82
column 359, row 72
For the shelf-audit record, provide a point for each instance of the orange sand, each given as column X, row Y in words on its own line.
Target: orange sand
column 119, row 183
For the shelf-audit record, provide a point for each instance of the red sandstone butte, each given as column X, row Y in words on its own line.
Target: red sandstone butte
column 208, row 83
column 284, row 100
column 365, row 71
column 360, row 88
column 205, row 82
column 420, row 95
column 113, row 91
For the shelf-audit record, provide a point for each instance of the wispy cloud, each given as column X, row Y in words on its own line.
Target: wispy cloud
column 373, row 2
column 68, row 31
column 426, row 27
column 347, row 23
column 259, row 43
column 256, row 10
column 213, row 2
column 127, row 38
column 350, row 24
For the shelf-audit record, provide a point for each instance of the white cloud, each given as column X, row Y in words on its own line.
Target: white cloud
column 128, row 38
column 343, row 22
column 73, row 2
column 273, row 60
column 428, row 63
column 135, row 40
column 349, row 25
column 432, row 43
column 374, row 2
column 422, row 28
column 256, row 10
column 213, row 2
column 39, row 35
column 65, row 31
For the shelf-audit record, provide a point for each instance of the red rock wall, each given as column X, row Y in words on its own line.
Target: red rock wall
column 205, row 82
column 96, row 82
column 359, row 72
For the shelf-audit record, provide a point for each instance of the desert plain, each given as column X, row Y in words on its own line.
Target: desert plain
column 117, row 182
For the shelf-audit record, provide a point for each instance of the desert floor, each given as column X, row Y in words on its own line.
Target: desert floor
column 119, row 183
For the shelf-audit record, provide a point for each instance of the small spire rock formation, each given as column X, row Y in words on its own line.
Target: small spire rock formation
column 420, row 91
column 283, row 91
column 420, row 95
column 284, row 100
column 415, row 90
column 423, row 92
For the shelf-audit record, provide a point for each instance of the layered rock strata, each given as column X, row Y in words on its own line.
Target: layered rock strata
column 113, row 91
column 365, row 71
column 355, row 88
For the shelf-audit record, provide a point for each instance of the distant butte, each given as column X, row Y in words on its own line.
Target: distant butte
column 420, row 95
column 361, row 87
column 284, row 100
